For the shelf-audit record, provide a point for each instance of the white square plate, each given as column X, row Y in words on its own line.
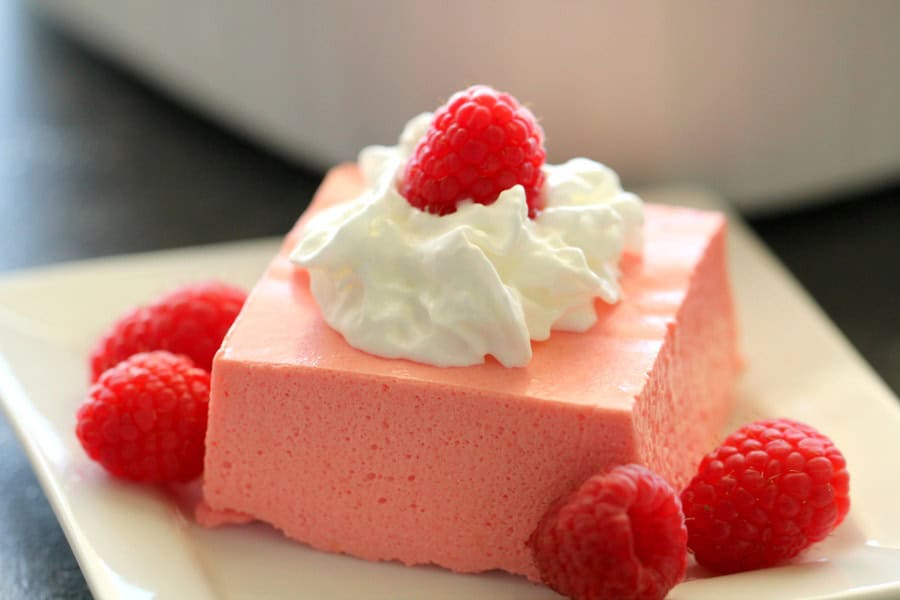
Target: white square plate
column 135, row 542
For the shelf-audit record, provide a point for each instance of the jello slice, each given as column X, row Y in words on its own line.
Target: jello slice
column 387, row 459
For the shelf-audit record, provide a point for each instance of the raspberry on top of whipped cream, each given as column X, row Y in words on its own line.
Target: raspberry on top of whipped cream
column 449, row 289
column 480, row 143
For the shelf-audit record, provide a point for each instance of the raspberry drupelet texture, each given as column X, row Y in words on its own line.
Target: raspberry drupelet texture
column 191, row 320
column 145, row 418
column 480, row 143
column 769, row 491
column 620, row 535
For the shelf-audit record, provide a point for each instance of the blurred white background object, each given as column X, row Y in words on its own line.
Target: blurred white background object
column 760, row 101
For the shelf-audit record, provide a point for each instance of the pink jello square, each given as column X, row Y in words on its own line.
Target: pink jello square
column 393, row 460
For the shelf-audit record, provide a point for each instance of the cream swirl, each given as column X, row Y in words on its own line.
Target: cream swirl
column 449, row 290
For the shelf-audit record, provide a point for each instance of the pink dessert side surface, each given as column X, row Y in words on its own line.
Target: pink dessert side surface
column 394, row 460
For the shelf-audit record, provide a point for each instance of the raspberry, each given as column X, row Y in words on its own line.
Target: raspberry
column 769, row 491
column 145, row 419
column 191, row 320
column 479, row 144
column 620, row 535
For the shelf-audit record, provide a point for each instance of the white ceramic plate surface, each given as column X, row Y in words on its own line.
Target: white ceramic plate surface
column 135, row 542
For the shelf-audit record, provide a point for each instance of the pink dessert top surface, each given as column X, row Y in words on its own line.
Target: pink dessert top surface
column 606, row 366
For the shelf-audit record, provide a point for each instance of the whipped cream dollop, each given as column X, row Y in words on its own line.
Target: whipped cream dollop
column 448, row 290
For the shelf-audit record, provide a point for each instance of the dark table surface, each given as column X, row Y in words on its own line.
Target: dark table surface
column 92, row 162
